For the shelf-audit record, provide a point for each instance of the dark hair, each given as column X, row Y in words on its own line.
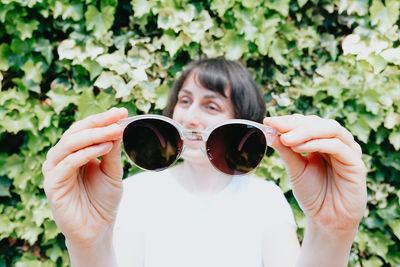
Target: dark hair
column 219, row 74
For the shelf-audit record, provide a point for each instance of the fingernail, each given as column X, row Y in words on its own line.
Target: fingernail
column 113, row 109
column 115, row 125
column 287, row 137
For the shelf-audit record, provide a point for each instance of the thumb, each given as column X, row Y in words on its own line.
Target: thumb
column 111, row 163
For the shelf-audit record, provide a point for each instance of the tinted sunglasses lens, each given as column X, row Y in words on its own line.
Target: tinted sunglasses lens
column 236, row 148
column 152, row 144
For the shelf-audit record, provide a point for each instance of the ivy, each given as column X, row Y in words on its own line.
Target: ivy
column 63, row 60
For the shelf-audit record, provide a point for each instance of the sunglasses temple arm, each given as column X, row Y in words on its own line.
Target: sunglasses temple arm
column 244, row 139
column 270, row 132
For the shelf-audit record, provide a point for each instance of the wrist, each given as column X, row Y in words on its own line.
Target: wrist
column 315, row 229
column 323, row 247
column 100, row 253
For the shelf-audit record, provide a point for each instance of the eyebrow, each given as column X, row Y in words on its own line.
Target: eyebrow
column 210, row 95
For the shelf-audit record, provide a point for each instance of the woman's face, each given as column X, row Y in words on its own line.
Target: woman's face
column 198, row 108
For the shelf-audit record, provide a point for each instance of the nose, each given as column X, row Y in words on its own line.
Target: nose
column 192, row 118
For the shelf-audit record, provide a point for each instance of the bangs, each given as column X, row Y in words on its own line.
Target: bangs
column 214, row 77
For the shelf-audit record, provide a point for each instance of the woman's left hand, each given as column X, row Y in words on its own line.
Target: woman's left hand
column 329, row 183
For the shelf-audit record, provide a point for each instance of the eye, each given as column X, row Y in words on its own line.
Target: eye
column 184, row 100
column 212, row 106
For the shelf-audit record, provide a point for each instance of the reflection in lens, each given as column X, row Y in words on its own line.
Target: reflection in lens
column 236, row 149
column 152, row 144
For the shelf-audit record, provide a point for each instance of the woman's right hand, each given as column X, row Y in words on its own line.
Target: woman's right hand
column 84, row 192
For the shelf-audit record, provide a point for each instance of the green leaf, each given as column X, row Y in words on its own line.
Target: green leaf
column 143, row 105
column 4, row 187
column 93, row 67
column 68, row 49
column 67, row 10
column 115, row 61
column 234, row 45
column 196, row 29
column 14, row 165
column 394, row 139
column 392, row 119
column 372, row 262
column 162, row 93
column 44, row 47
column 360, row 128
column 302, row 2
column 4, row 10
column 282, row 6
column 50, row 230
column 376, row 242
column 29, row 231
column 61, row 98
column 329, row 42
column 109, row 79
column 44, row 115
column 395, row 225
column 221, row 6
column 18, row 121
column 392, row 55
column 370, row 98
column 54, row 253
column 5, row 52
column 384, row 16
column 26, row 28
column 277, row 51
column 36, row 143
column 141, row 7
column 33, row 71
column 89, row 104
column 13, row 95
column 252, row 3
column 99, row 22
column 392, row 210
column 171, row 42
column 360, row 7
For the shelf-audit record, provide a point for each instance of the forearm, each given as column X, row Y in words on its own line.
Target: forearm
column 322, row 247
column 101, row 254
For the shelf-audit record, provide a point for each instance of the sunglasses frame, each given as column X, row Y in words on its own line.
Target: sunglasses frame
column 198, row 135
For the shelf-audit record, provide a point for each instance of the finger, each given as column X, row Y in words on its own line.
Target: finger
column 294, row 162
column 298, row 129
column 98, row 120
column 111, row 163
column 84, row 138
column 334, row 147
column 69, row 166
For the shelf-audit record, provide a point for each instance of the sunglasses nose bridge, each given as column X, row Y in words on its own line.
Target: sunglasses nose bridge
column 193, row 135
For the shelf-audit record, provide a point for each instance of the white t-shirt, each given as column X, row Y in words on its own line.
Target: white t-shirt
column 176, row 228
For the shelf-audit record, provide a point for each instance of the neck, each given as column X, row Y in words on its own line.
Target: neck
column 201, row 179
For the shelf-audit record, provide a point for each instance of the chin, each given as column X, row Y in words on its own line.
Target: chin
column 195, row 156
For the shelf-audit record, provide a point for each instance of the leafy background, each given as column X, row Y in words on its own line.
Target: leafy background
column 63, row 60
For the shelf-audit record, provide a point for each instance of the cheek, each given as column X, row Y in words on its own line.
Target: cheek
column 176, row 113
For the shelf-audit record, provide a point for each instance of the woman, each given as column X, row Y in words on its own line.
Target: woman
column 193, row 215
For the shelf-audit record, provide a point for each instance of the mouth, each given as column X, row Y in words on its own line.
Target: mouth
column 193, row 144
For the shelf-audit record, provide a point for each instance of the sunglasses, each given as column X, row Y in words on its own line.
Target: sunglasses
column 234, row 147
